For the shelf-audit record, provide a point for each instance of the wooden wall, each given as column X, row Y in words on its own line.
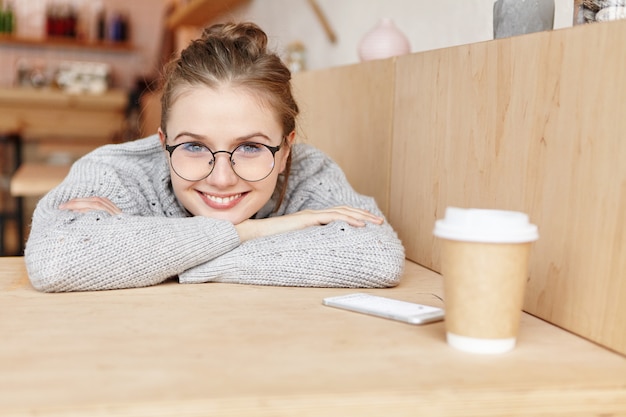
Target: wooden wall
column 347, row 112
column 533, row 123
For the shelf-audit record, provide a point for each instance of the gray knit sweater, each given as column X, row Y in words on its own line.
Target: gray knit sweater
column 155, row 239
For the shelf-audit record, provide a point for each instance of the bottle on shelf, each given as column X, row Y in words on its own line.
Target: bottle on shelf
column 118, row 27
column 101, row 25
column 61, row 20
column 7, row 19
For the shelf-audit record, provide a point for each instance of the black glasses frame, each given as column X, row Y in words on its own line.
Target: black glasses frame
column 272, row 149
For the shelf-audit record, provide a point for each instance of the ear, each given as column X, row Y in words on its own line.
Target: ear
column 162, row 138
column 290, row 139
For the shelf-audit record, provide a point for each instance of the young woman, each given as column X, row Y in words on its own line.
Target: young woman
column 221, row 194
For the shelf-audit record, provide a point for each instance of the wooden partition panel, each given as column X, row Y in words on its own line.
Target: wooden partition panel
column 534, row 123
column 347, row 113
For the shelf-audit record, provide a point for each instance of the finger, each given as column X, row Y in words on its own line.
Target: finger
column 330, row 216
column 93, row 206
column 79, row 204
column 83, row 205
column 360, row 214
column 111, row 208
column 353, row 221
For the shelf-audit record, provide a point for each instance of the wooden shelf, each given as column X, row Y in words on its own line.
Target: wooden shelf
column 200, row 12
column 33, row 98
column 66, row 43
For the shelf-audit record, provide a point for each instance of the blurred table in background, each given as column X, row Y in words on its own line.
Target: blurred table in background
column 35, row 180
column 74, row 123
column 54, row 129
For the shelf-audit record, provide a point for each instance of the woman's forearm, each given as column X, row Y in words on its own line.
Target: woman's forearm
column 335, row 255
column 71, row 253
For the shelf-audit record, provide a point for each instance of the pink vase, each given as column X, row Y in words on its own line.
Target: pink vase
column 383, row 41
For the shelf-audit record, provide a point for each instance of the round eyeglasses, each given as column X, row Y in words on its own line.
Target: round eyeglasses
column 250, row 161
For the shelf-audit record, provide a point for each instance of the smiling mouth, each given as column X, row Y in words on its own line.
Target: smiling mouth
column 218, row 202
column 222, row 200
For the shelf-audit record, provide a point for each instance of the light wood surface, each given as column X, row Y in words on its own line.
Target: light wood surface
column 235, row 350
column 35, row 180
column 200, row 12
column 532, row 123
column 52, row 115
column 347, row 113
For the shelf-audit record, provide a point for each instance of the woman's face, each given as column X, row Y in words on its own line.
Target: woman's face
column 220, row 120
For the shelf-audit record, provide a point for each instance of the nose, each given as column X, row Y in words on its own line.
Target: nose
column 222, row 175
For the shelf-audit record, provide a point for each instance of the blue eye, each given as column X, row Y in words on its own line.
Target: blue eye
column 250, row 148
column 194, row 147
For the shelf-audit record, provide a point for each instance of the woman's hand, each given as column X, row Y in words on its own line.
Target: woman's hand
column 84, row 205
column 254, row 228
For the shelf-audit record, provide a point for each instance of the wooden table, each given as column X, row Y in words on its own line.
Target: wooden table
column 35, row 180
column 234, row 350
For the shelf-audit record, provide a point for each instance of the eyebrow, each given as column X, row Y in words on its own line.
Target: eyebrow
column 239, row 139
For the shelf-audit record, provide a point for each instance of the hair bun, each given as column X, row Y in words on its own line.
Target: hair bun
column 245, row 36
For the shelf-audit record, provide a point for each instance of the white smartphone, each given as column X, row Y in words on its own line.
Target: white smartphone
column 386, row 307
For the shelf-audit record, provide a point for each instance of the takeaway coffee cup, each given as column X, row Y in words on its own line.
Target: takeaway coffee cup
column 484, row 263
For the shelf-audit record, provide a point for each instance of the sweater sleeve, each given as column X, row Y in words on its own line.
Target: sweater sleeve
column 152, row 240
column 334, row 255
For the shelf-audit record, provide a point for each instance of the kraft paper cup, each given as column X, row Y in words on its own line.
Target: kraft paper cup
column 484, row 263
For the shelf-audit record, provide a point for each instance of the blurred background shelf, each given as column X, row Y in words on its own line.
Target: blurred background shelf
column 67, row 43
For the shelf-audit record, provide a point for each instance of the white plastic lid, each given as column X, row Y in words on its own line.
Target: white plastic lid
column 484, row 225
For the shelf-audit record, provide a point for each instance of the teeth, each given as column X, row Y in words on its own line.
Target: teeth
column 222, row 200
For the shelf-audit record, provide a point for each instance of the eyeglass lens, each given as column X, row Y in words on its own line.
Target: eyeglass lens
column 250, row 161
